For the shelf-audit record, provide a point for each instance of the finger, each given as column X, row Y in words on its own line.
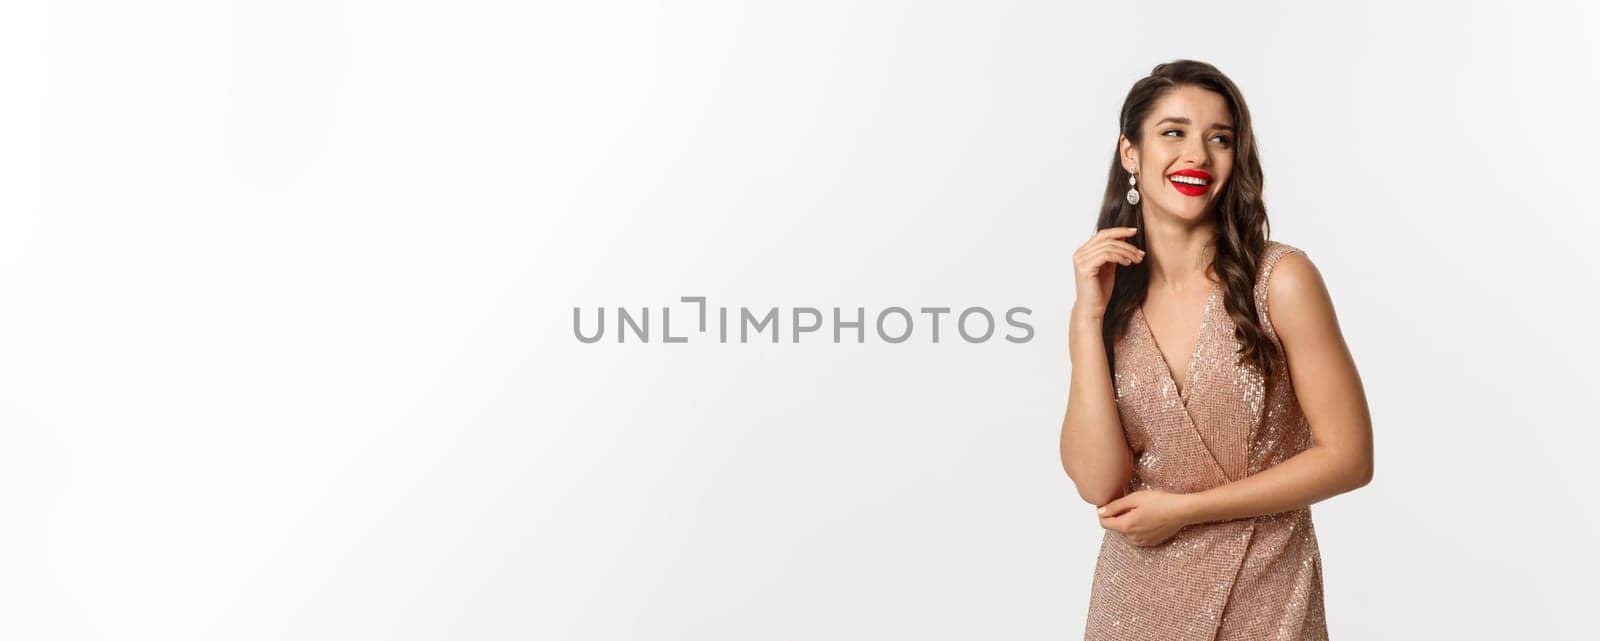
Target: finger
column 1116, row 255
column 1126, row 245
column 1116, row 232
column 1132, row 254
column 1116, row 507
column 1105, row 234
column 1091, row 264
column 1122, row 523
column 1101, row 257
column 1106, row 254
column 1113, row 232
column 1112, row 242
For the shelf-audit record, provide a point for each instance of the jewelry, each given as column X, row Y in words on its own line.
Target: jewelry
column 1133, row 192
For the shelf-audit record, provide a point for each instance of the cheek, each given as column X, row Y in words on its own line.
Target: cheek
column 1224, row 178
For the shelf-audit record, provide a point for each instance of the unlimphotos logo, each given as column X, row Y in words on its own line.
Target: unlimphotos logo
column 892, row 324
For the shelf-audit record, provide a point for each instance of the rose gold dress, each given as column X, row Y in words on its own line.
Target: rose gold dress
column 1246, row 579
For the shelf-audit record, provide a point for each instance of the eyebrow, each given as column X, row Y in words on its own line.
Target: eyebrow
column 1186, row 121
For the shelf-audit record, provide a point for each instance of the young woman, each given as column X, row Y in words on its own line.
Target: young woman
column 1200, row 425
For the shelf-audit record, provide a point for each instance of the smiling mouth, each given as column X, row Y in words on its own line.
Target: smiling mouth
column 1189, row 185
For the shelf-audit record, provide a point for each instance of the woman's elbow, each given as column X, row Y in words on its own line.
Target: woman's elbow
column 1092, row 491
column 1104, row 492
column 1362, row 475
column 1100, row 496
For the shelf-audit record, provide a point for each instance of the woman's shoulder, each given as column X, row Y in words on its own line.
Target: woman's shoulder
column 1276, row 257
column 1276, row 250
column 1278, row 253
column 1287, row 279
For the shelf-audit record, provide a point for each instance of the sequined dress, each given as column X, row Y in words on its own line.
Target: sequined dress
column 1246, row 579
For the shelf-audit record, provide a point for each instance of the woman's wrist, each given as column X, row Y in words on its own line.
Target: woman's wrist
column 1081, row 316
column 1193, row 508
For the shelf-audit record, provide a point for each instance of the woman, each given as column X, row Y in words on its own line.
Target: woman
column 1203, row 449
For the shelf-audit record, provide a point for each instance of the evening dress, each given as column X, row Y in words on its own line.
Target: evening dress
column 1250, row 579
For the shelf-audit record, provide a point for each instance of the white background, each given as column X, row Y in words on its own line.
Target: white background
column 286, row 296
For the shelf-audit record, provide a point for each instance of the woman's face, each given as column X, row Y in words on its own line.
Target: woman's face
column 1188, row 140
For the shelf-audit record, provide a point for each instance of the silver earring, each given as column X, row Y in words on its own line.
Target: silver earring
column 1133, row 191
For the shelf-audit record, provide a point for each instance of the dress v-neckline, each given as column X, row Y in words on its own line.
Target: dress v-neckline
column 1194, row 356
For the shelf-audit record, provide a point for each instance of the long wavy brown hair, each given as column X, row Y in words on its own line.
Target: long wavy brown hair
column 1241, row 216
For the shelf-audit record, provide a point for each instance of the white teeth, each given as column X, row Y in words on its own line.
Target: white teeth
column 1189, row 180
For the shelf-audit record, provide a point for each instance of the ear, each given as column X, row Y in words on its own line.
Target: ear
column 1128, row 154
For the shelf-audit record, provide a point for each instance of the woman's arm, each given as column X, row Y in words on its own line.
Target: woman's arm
column 1093, row 449
column 1330, row 394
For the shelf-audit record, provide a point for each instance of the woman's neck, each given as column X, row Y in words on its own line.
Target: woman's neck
column 1180, row 255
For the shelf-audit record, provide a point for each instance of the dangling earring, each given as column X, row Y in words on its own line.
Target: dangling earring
column 1133, row 191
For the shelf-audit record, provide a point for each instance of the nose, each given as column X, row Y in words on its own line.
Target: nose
column 1195, row 152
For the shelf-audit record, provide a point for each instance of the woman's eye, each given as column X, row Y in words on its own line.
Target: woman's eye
column 1219, row 137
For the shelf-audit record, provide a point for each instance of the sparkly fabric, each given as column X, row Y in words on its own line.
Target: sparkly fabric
column 1244, row 579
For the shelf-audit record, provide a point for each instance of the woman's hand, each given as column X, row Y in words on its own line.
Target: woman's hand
column 1146, row 517
column 1095, row 265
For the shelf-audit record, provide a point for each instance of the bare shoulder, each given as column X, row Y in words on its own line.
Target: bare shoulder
column 1297, row 298
column 1294, row 275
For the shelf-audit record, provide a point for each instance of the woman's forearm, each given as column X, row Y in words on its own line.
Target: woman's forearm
column 1305, row 478
column 1093, row 448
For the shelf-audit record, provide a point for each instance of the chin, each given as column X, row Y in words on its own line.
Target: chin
column 1191, row 212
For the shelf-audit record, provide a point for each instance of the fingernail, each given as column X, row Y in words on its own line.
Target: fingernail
column 1101, row 510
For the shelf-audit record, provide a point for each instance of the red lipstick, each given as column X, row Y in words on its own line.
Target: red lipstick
column 1190, row 188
